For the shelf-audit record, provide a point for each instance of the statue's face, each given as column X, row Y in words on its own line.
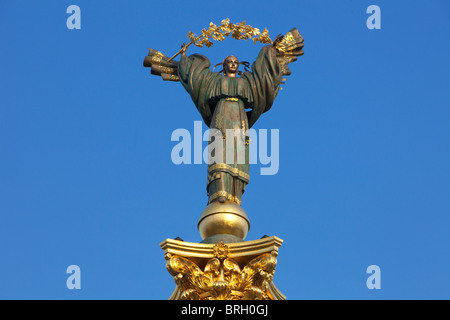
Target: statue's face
column 231, row 65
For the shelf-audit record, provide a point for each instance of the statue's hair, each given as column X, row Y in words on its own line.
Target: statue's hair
column 244, row 63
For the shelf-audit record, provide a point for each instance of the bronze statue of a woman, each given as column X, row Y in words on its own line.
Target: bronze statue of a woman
column 234, row 100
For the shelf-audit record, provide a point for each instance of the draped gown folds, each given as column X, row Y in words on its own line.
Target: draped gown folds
column 231, row 103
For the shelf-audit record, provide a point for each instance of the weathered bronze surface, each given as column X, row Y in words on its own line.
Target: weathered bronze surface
column 234, row 100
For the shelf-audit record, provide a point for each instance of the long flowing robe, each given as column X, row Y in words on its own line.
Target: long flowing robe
column 222, row 102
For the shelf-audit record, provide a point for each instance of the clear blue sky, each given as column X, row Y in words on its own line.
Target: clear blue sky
column 86, row 176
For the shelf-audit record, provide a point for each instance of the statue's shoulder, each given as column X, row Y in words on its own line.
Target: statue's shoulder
column 200, row 59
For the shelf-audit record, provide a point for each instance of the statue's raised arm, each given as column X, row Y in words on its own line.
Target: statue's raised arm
column 196, row 78
column 268, row 71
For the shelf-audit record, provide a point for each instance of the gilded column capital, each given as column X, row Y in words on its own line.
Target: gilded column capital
column 237, row 271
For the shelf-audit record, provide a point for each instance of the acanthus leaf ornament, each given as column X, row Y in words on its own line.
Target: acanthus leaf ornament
column 223, row 279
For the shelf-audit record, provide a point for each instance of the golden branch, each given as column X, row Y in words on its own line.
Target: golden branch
column 238, row 31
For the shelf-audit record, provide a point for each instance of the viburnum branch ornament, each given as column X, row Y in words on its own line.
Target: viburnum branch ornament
column 238, row 31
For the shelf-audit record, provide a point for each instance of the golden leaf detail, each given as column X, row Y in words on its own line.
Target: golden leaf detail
column 191, row 36
column 240, row 31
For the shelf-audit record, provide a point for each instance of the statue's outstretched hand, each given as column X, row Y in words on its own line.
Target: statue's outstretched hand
column 184, row 48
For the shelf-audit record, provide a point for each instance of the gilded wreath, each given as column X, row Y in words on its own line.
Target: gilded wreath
column 238, row 31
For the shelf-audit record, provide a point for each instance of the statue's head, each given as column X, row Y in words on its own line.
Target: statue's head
column 230, row 66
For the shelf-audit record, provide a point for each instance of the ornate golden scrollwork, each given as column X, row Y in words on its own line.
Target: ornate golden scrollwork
column 221, row 250
column 222, row 278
